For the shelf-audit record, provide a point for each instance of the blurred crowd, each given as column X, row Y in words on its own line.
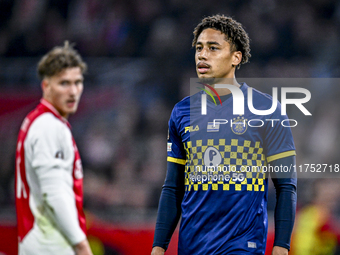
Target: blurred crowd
column 288, row 38
column 140, row 64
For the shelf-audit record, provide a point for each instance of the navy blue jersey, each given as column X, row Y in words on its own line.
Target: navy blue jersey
column 224, row 208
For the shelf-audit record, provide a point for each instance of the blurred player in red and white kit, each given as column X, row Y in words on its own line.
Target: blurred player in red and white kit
column 49, row 177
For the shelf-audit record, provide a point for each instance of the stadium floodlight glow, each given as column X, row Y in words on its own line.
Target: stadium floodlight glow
column 238, row 100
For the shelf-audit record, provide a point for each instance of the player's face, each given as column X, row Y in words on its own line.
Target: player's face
column 213, row 56
column 64, row 90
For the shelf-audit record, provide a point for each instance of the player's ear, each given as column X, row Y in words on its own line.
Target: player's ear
column 45, row 86
column 237, row 58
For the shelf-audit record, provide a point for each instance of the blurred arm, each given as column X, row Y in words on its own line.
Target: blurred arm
column 54, row 176
column 83, row 248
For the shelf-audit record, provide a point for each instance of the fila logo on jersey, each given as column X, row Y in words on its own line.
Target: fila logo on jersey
column 191, row 128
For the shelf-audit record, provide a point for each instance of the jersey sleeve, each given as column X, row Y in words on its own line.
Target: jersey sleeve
column 278, row 140
column 52, row 161
column 175, row 148
column 285, row 185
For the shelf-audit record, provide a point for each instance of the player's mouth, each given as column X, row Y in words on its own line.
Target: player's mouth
column 71, row 103
column 203, row 67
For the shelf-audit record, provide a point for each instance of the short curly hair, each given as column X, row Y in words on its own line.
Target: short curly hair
column 58, row 59
column 235, row 34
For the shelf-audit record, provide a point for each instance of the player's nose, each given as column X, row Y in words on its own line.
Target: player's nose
column 73, row 89
column 203, row 54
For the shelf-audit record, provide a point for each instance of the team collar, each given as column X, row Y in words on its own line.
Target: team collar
column 52, row 109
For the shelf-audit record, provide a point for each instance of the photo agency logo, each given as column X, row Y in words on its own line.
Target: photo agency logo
column 212, row 97
column 238, row 106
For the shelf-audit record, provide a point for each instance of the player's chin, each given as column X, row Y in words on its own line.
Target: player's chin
column 203, row 76
column 72, row 110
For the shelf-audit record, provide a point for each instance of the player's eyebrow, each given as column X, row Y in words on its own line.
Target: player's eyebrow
column 209, row 43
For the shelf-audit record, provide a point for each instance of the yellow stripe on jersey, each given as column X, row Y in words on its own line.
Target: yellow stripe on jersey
column 176, row 160
column 281, row 155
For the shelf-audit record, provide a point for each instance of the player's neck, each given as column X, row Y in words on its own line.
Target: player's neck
column 227, row 81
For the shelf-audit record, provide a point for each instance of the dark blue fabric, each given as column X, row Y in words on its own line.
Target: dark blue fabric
column 169, row 205
column 285, row 185
column 170, row 201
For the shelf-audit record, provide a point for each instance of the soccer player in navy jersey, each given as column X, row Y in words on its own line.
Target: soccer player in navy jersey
column 223, row 208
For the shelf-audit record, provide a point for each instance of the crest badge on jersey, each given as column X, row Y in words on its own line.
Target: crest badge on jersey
column 59, row 154
column 239, row 125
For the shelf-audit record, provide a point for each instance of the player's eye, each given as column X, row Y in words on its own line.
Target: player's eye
column 198, row 48
column 79, row 82
column 213, row 48
column 64, row 83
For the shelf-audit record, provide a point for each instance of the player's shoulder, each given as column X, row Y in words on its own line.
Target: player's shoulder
column 48, row 119
column 260, row 98
column 188, row 101
column 185, row 102
column 47, row 124
column 260, row 95
column 181, row 106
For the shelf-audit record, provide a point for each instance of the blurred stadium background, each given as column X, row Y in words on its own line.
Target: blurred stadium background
column 140, row 64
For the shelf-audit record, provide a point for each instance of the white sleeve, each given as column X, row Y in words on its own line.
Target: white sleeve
column 50, row 136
